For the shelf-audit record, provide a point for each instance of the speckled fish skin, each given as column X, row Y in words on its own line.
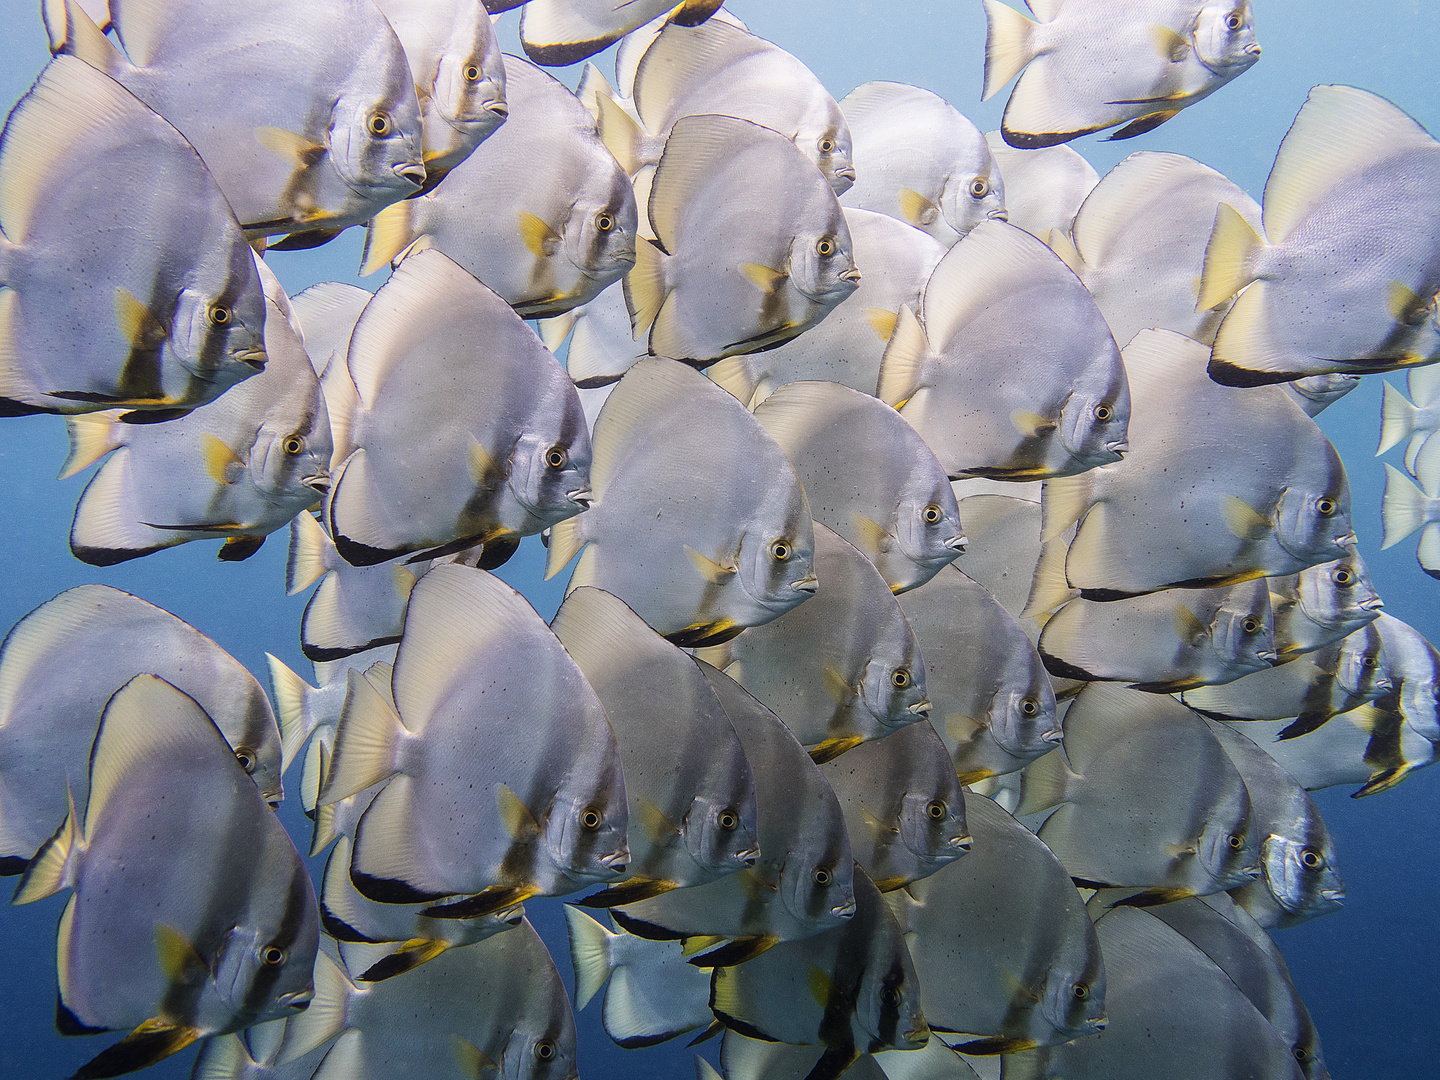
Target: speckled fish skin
column 237, row 468
column 802, row 883
column 1006, row 955
column 843, row 667
column 690, row 789
column 896, row 507
column 456, row 61
column 58, row 667
column 1141, row 235
column 176, row 862
column 1153, row 974
column 329, row 135
column 848, row 344
column 175, row 312
column 721, row 68
column 751, row 248
column 1163, row 641
column 919, row 160
column 1344, row 276
column 551, row 814
column 1003, row 547
column 1148, row 800
column 1090, row 66
column 557, row 33
column 992, row 309
column 904, row 808
column 509, row 454
column 734, row 545
column 544, row 247
column 1043, row 188
column 1281, row 503
column 1298, row 880
column 498, row 1005
column 1322, row 604
column 991, row 701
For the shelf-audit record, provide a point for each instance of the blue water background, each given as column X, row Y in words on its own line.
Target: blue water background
column 1367, row 973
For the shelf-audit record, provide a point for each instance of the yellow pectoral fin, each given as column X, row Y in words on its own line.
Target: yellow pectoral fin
column 1031, row 424
column 1168, row 43
column 484, row 470
column 656, row 823
column 916, row 208
column 873, row 537
column 519, row 822
column 710, row 570
column 473, row 1061
column 179, row 960
column 882, row 321
column 875, row 825
column 137, row 323
column 539, row 237
column 1244, row 520
column 836, row 685
column 1406, row 305
column 1188, row 627
column 290, row 145
column 218, row 458
column 765, row 278
column 822, row 987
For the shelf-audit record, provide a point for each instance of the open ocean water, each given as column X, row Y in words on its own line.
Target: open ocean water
column 1368, row 973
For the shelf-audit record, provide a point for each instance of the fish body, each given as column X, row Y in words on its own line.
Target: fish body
column 1322, row 604
column 1344, row 276
column 598, row 345
column 839, row 669
column 561, row 32
column 919, row 160
column 997, row 381
column 1281, row 501
column 1043, row 188
column 174, row 311
column 751, row 247
column 729, row 541
column 59, row 666
column 1003, row 548
column 507, row 453
column 896, row 507
column 1090, row 66
column 544, row 247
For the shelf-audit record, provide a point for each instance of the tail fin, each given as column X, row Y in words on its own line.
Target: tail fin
column 366, row 741
column 1228, row 258
column 904, row 360
column 1397, row 418
column 1007, row 45
column 1402, row 507
column 291, row 697
column 590, row 953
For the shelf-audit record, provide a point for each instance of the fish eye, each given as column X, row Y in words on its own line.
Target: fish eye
column 1103, row 413
column 825, row 246
column 933, row 514
column 1311, row 859
column 900, row 678
column 979, row 187
column 780, row 550
column 1369, row 662
column 1081, row 991
column 272, row 956
column 728, row 820
column 378, row 124
column 1326, row 506
column 889, row 996
column 247, row 759
column 472, row 73
column 604, row 222
column 544, row 1050
column 292, row 444
column 1343, row 577
column 556, row 458
column 1250, row 625
column 220, row 315
column 827, row 145
column 936, row 810
column 1029, row 706
column 1233, row 21
column 823, row 877
column 1300, row 1054
column 591, row 819
column 1236, row 841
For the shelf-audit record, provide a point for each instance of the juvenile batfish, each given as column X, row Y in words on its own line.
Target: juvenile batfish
column 192, row 914
column 1043, row 188
column 1149, row 798
column 1013, row 374
column 459, row 76
column 1141, row 238
column 919, row 160
column 479, row 805
column 904, row 808
column 1163, row 641
column 894, row 504
column 1092, row 65
column 1343, row 277
column 848, row 344
column 544, row 245
column 328, row 129
column 1263, row 490
column 1171, row 1008
column 843, row 667
column 751, row 246
column 506, row 452
column 153, row 318
column 1321, row 604
column 722, row 68
column 235, row 469
column 728, row 540
column 690, row 790
column 991, row 701
column 496, row 1008
column 1298, row 879
column 852, row 989
column 800, row 886
column 58, row 667
column 1006, row 955
column 557, row 33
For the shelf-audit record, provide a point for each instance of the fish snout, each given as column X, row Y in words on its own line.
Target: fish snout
column 499, row 108
column 748, row 857
column 915, row 1038
column 254, row 357
column 957, row 542
column 582, row 497
column 1100, row 1023
column 999, row 215
column 616, row 862
column 412, row 172
column 851, row 275
column 1384, row 684
column 1372, row 604
column 1054, row 736
column 1253, row 49
column 964, row 843
column 320, row 482
column 845, row 172
column 1270, row 656
column 807, row 584
column 921, row 708
column 298, row 1000
column 845, row 910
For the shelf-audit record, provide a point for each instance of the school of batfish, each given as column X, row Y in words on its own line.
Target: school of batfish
column 873, row 792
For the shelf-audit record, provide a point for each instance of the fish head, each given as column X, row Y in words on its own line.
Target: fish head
column 1073, row 998
column 927, row 519
column 892, row 688
column 1315, row 393
column 1363, row 668
column 887, row 1004
column 1022, row 716
column 374, row 136
column 1339, row 595
column 777, row 554
column 1095, row 419
column 1312, row 520
column 1300, row 870
column 550, row 466
column 972, row 197
column 1223, row 36
column 263, row 967
column 217, row 329
column 1243, row 630
column 724, row 835
column 817, row 883
column 291, row 453
column 932, row 823
column 1227, row 848
column 822, row 258
column 825, row 140
column 540, row 1047
column 602, row 225
column 586, row 832
column 469, row 86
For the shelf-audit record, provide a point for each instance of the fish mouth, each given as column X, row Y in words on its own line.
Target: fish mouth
column 1333, row 896
column 920, row 708
column 1253, row 49
column 320, row 483
column 299, row 1000
column 1348, row 540
column 845, row 910
column 964, row 843
column 1054, row 737
column 1122, row 447
column 747, row 857
column 916, row 1037
column 1373, row 604
column 957, row 543
column 499, row 108
column 1270, row 656
column 617, row 862
column 807, row 584
column 254, row 357
column 999, row 215
column 582, row 497
column 412, row 172
column 852, row 275
column 845, row 172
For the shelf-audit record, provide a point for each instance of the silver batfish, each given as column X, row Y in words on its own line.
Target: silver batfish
column 1043, row 188
column 1322, row 604
column 557, row 33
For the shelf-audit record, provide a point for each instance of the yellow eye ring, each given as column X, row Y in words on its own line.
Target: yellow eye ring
column 272, row 956
column 604, row 222
column 247, row 759
column 1029, row 706
column 292, row 444
column 591, row 819
column 1326, row 506
column 378, row 124
column 220, row 315
column 1369, row 662
column 1250, row 625
column 936, row 810
column 900, row 678
column 1233, row 21
column 1236, row 841
column 979, row 187
column 1343, row 577
column 1311, row 859
column 827, row 145
column 728, row 820
column 934, row 515
column 1103, row 413
column 472, row 73
column 780, row 550
column 825, row 247
column 1081, row 991
column 823, row 877
column 556, row 458
column 544, row 1050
